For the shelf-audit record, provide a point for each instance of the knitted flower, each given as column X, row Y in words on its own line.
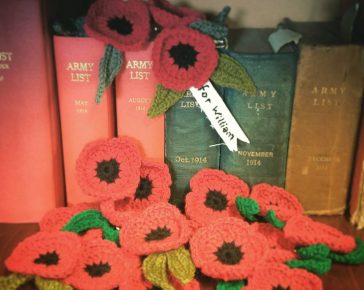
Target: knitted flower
column 109, row 168
column 213, row 194
column 283, row 203
column 49, row 255
column 183, row 58
column 227, row 249
column 303, row 231
column 154, row 186
column 123, row 24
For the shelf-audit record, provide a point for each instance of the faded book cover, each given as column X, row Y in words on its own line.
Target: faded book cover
column 325, row 119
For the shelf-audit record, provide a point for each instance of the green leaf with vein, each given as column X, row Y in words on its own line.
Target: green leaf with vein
column 319, row 267
column 163, row 100
column 230, row 285
column 14, row 281
column 231, row 74
column 180, row 265
column 155, row 270
column 247, row 208
column 48, row 284
column 318, row 251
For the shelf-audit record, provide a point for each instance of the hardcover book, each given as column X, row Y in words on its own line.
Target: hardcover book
column 30, row 148
column 82, row 119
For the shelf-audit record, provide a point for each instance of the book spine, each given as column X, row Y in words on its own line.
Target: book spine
column 82, row 119
column 31, row 159
column 324, row 125
column 190, row 145
column 265, row 117
column 135, row 90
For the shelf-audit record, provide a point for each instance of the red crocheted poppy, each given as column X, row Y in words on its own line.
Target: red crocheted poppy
column 278, row 256
column 304, row 231
column 123, row 24
column 154, row 186
column 159, row 228
column 49, row 255
column 167, row 15
column 193, row 285
column 109, row 168
column 213, row 195
column 183, row 58
column 270, row 276
column 101, row 266
column 227, row 249
column 269, row 197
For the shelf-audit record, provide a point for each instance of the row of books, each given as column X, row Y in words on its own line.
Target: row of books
column 302, row 122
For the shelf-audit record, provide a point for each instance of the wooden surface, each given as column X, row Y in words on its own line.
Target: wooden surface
column 341, row 277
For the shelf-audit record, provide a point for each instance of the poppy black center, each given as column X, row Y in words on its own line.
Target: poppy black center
column 108, row 171
column 144, row 189
column 279, row 287
column 229, row 254
column 121, row 25
column 184, row 55
column 216, row 200
column 50, row 258
column 158, row 234
column 97, row 270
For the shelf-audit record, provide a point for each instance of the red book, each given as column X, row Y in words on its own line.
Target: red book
column 30, row 150
column 135, row 89
column 82, row 119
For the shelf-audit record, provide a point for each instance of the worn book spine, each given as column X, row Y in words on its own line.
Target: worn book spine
column 31, row 171
column 191, row 144
column 82, row 119
column 265, row 117
column 135, row 89
column 324, row 125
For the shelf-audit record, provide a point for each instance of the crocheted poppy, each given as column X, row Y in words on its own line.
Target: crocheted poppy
column 275, row 198
column 183, row 58
column 159, row 228
column 193, row 285
column 49, row 255
column 154, row 186
column 213, row 195
column 123, row 24
column 227, row 249
column 109, row 168
column 304, row 231
column 270, row 276
column 167, row 15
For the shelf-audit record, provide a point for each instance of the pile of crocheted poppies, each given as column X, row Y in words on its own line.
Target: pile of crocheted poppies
column 132, row 238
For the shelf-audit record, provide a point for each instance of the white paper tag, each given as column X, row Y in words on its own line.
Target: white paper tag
column 219, row 115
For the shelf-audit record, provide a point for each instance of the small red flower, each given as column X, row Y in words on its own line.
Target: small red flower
column 123, row 24
column 109, row 168
column 183, row 58
column 303, row 231
column 227, row 249
column 213, row 195
column 159, row 228
column 49, row 255
column 154, row 186
column 269, row 197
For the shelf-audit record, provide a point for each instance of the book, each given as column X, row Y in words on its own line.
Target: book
column 82, row 119
column 325, row 119
column 31, row 170
column 135, row 90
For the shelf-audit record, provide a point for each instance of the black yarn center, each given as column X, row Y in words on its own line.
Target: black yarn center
column 48, row 259
column 158, row 234
column 98, row 270
column 229, row 254
column 121, row 25
column 184, row 55
column 279, row 287
column 144, row 189
column 216, row 200
column 108, row 171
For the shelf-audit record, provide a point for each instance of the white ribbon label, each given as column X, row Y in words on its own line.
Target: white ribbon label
column 219, row 115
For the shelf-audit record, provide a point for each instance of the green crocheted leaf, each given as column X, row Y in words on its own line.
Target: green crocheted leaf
column 13, row 281
column 230, row 285
column 109, row 67
column 247, row 208
column 180, row 265
column 319, row 267
column 155, row 270
column 47, row 284
column 222, row 16
column 215, row 30
column 272, row 219
column 355, row 257
column 163, row 100
column 231, row 74
column 319, row 251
